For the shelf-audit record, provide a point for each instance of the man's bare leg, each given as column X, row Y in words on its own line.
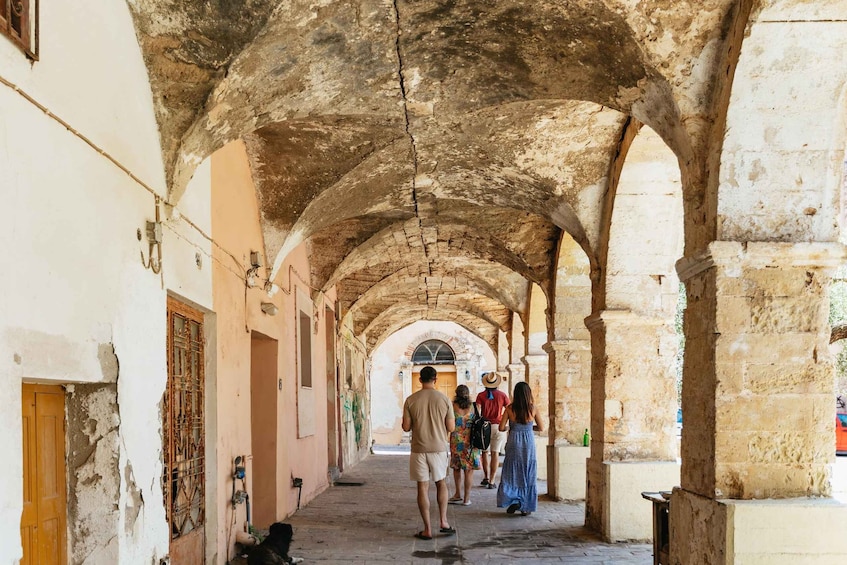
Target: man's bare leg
column 423, row 505
column 495, row 462
column 441, row 493
column 484, row 457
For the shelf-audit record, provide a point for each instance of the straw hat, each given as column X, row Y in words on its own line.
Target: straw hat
column 491, row 379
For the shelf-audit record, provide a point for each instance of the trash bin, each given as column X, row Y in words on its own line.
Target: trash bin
column 661, row 526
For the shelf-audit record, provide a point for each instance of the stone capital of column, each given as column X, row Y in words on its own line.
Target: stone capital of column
column 536, row 359
column 561, row 346
column 760, row 254
column 606, row 318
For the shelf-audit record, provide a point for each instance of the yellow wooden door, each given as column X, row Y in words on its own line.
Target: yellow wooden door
column 446, row 383
column 44, row 518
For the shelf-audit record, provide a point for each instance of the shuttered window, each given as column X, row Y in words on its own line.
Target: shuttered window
column 18, row 22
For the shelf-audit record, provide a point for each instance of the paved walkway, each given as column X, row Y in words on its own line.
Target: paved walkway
column 375, row 523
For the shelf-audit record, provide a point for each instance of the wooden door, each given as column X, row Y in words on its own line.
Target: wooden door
column 44, row 517
column 184, row 426
column 446, row 383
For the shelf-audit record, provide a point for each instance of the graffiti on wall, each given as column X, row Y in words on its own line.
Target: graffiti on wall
column 354, row 413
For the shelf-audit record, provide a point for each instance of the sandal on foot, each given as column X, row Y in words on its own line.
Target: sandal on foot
column 455, row 500
column 525, row 513
column 468, row 503
column 421, row 535
column 513, row 507
column 491, row 485
column 448, row 530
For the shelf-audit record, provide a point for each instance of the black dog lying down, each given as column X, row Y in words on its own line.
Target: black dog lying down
column 274, row 549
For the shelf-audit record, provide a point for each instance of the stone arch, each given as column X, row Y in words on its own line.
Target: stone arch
column 472, row 246
column 536, row 326
column 409, row 281
column 397, row 317
column 633, row 342
column 756, row 273
column 261, row 86
column 518, row 154
column 451, row 340
column 473, row 304
column 569, row 350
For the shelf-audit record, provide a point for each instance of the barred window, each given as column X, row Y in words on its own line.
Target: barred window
column 433, row 352
column 18, row 21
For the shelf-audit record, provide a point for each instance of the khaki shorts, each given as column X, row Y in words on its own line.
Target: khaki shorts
column 498, row 439
column 425, row 467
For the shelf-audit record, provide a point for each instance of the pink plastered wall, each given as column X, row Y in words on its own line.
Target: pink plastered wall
column 236, row 231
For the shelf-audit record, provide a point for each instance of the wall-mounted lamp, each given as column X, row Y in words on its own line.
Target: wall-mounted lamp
column 400, row 374
column 269, row 308
column 467, row 375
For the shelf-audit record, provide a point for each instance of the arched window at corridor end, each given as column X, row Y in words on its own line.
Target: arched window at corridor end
column 433, row 352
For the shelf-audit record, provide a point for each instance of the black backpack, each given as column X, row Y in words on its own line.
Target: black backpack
column 480, row 430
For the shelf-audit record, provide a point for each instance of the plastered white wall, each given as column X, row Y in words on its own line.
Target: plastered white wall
column 72, row 284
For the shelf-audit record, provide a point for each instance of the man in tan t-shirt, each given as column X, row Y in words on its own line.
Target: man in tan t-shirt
column 428, row 414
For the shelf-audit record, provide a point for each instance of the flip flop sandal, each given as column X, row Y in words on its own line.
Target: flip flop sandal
column 420, row 535
column 513, row 507
column 448, row 530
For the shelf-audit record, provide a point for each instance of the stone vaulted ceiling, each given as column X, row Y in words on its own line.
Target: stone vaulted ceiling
column 429, row 152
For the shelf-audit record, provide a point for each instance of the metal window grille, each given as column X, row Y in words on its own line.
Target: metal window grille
column 433, row 352
column 183, row 474
column 19, row 22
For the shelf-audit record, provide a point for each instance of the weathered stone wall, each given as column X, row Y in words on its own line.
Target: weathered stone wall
column 94, row 479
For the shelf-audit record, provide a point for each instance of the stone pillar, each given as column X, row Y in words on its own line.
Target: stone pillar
column 517, row 374
column 633, row 407
column 570, row 412
column 537, row 376
column 758, row 406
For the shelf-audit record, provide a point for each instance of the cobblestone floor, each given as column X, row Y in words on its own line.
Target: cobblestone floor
column 375, row 523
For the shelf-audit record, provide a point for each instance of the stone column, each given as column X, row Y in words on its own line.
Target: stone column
column 570, row 412
column 633, row 436
column 538, row 377
column 517, row 374
column 758, row 408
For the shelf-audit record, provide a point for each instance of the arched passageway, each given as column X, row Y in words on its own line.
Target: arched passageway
column 303, row 180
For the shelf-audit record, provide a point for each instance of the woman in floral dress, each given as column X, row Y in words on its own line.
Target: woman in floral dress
column 464, row 458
